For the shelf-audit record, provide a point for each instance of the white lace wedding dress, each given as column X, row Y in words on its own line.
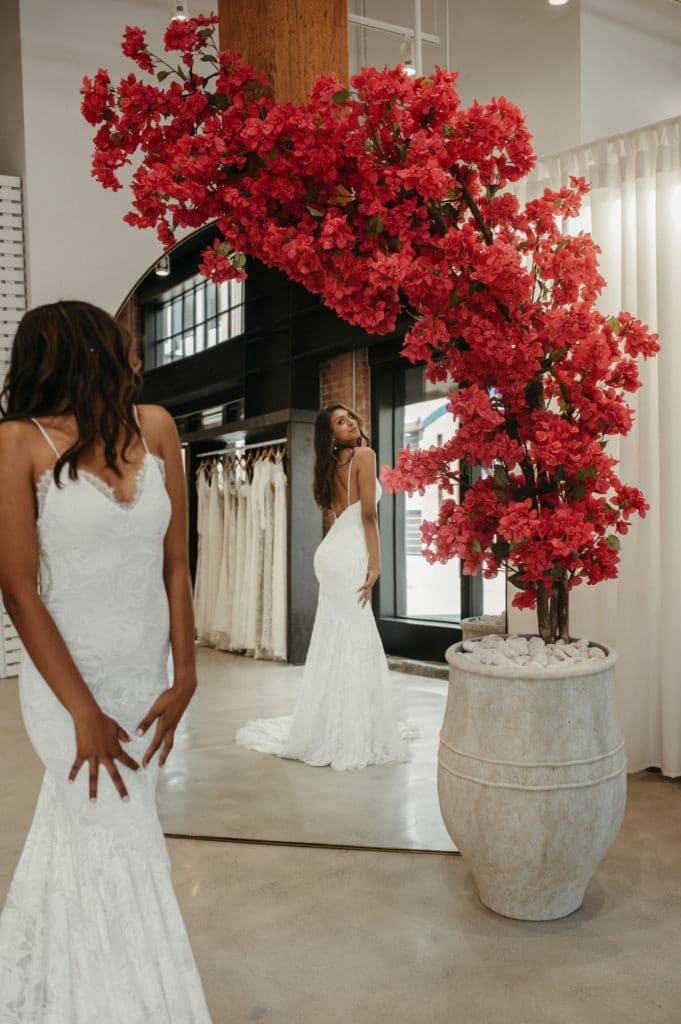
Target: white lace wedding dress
column 91, row 932
column 344, row 716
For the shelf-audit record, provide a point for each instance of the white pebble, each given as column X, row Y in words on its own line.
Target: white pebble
column 597, row 654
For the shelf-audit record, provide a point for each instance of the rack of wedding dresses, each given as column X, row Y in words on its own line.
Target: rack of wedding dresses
column 240, row 591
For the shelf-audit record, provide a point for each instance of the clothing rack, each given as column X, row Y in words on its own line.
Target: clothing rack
column 244, row 447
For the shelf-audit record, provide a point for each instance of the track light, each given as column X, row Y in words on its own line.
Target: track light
column 181, row 12
column 407, row 56
column 162, row 268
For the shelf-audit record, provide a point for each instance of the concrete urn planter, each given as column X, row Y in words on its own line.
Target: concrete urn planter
column 532, row 779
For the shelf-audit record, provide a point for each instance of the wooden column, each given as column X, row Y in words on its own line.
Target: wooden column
column 294, row 41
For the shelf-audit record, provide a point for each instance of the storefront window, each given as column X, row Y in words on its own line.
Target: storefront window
column 432, row 592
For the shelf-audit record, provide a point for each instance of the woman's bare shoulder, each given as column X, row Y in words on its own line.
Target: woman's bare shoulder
column 365, row 456
column 20, row 443
column 158, row 425
column 16, row 432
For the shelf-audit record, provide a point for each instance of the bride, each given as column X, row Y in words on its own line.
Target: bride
column 344, row 716
column 91, row 930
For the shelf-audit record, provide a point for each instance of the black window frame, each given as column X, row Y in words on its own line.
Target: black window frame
column 190, row 287
column 422, row 639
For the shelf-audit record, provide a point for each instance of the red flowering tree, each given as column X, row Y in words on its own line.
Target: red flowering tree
column 389, row 199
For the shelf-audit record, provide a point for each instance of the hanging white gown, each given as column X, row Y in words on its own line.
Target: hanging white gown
column 264, row 639
column 344, row 716
column 222, row 620
column 201, row 588
column 216, row 517
column 91, row 932
column 279, row 564
column 254, row 592
column 243, row 532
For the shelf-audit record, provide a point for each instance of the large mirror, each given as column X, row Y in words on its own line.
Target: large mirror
column 244, row 369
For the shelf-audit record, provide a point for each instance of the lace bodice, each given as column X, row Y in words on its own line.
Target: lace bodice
column 46, row 479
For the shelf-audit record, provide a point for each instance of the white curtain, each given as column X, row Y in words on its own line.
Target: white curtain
column 634, row 215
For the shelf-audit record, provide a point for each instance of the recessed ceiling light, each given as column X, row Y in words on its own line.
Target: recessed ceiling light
column 557, row 3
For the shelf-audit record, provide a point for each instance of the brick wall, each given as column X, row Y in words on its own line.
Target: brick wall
column 347, row 379
column 338, row 383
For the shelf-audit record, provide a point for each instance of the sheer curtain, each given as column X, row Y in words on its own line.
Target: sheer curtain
column 634, row 215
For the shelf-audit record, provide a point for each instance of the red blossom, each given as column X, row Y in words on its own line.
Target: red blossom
column 388, row 199
column 135, row 45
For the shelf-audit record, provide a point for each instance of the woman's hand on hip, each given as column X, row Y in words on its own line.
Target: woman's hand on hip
column 166, row 711
column 98, row 741
column 365, row 590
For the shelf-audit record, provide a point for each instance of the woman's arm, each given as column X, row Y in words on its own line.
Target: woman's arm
column 97, row 736
column 366, row 482
column 159, row 426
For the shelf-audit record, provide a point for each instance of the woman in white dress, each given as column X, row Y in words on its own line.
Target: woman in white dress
column 95, row 507
column 344, row 716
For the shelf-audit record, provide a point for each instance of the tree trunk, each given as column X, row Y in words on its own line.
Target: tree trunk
column 543, row 613
column 553, row 611
column 563, row 610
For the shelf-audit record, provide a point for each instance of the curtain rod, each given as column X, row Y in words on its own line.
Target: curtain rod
column 243, row 447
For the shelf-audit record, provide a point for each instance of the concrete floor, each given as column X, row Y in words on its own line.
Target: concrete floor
column 213, row 787
column 294, row 936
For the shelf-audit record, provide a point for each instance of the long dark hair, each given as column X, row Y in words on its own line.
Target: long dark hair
column 72, row 357
column 327, row 450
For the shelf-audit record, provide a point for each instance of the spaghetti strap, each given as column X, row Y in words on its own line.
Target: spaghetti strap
column 47, row 437
column 134, row 409
column 349, row 472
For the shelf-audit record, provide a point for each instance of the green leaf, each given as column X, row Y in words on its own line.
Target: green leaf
column 375, row 225
column 314, row 212
column 476, row 546
column 217, row 99
column 162, row 75
column 513, row 579
column 239, row 260
column 204, row 33
column 613, row 323
column 341, row 96
column 613, row 542
column 207, row 57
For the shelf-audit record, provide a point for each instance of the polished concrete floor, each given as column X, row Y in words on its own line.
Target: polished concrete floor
column 289, row 935
column 213, row 787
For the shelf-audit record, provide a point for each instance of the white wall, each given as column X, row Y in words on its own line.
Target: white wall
column 527, row 51
column 11, row 106
column 77, row 245
column 631, row 64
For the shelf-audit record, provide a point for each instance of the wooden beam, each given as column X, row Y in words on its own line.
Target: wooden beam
column 293, row 41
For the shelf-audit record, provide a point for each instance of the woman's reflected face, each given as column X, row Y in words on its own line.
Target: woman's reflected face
column 343, row 426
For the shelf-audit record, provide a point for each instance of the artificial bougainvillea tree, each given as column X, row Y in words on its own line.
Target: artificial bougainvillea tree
column 389, row 200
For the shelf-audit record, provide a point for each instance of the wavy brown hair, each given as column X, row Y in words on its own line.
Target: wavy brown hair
column 74, row 358
column 327, row 450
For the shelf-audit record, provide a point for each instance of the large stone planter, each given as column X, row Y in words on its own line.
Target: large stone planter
column 532, row 779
